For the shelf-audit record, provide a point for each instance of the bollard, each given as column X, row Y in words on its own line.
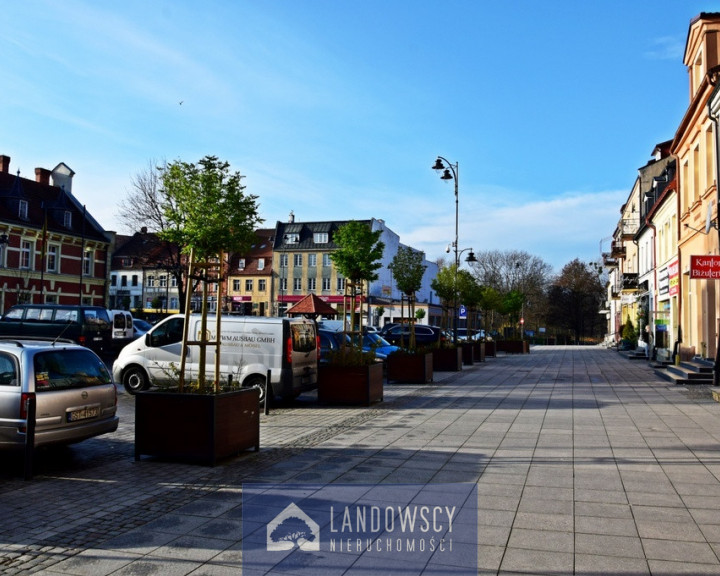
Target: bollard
column 267, row 397
column 30, row 410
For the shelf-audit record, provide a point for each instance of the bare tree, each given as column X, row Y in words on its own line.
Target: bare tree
column 142, row 207
column 143, row 210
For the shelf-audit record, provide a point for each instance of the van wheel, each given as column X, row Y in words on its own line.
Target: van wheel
column 134, row 380
column 259, row 383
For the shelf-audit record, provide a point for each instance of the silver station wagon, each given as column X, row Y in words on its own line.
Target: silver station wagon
column 70, row 387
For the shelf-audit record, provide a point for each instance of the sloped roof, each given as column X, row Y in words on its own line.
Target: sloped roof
column 314, row 305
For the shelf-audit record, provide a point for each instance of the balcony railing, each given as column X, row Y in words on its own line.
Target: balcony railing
column 609, row 261
column 617, row 250
column 628, row 228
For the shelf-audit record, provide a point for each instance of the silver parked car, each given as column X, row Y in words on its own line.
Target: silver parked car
column 73, row 391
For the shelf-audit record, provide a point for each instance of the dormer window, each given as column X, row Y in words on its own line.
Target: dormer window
column 241, row 264
column 320, row 237
column 67, row 219
column 23, row 210
column 292, row 238
column 261, row 264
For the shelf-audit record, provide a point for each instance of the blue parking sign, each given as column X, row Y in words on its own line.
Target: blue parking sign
column 462, row 312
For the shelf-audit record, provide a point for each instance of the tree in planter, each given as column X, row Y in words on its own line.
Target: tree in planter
column 357, row 258
column 444, row 286
column 208, row 214
column 408, row 270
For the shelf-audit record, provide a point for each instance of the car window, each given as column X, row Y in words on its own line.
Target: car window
column 66, row 315
column 14, row 314
column 169, row 332
column 8, row 371
column 303, row 337
column 96, row 316
column 32, row 314
column 46, row 314
column 66, row 369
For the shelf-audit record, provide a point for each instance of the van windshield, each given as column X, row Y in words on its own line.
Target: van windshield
column 66, row 369
column 303, row 337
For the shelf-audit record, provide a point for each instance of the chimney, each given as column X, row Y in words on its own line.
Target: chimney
column 4, row 164
column 42, row 176
column 291, row 218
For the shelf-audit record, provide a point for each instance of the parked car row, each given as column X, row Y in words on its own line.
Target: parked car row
column 95, row 327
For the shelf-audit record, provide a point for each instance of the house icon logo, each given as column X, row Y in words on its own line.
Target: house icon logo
column 293, row 528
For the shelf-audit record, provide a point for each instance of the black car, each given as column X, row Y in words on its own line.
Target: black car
column 424, row 334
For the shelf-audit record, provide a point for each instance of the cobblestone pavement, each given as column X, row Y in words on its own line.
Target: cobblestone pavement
column 585, row 462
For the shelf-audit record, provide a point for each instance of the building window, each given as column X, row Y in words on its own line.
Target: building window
column 292, row 238
column 87, row 263
column 248, row 285
column 326, row 260
column 312, row 284
column 341, row 285
column 113, row 280
column 151, row 281
column 283, row 260
column 23, row 210
column 320, row 237
column 123, row 281
column 297, row 259
column 52, row 258
column 326, row 284
column 236, row 285
column 163, row 281
column 25, row 253
column 127, row 262
column 241, row 264
column 283, row 284
column 297, row 284
column 261, row 263
column 134, row 280
column 262, row 285
column 312, row 260
column 67, row 219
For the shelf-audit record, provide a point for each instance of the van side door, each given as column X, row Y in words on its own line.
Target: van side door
column 164, row 346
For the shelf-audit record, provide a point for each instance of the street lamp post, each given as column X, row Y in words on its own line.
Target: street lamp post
column 450, row 172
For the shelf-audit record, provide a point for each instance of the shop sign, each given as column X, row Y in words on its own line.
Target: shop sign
column 705, row 267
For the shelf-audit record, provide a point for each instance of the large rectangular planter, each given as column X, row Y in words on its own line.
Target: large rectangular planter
column 479, row 351
column 513, row 346
column 350, row 385
column 201, row 428
column 417, row 368
column 468, row 353
column 490, row 348
column 447, row 359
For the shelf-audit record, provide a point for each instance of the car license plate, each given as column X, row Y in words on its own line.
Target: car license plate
column 83, row 414
column 97, row 338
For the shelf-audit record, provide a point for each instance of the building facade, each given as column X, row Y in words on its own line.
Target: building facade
column 52, row 251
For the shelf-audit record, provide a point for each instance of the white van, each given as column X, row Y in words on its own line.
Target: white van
column 250, row 346
column 123, row 330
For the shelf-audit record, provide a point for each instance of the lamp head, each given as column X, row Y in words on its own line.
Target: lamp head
column 471, row 257
column 438, row 165
column 446, row 175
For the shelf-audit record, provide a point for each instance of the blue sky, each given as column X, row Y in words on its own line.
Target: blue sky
column 337, row 109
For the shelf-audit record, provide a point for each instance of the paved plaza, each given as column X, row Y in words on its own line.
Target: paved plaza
column 585, row 463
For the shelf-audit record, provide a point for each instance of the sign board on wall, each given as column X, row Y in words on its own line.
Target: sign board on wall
column 705, row 267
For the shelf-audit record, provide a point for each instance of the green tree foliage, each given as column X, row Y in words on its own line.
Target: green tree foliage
column 207, row 214
column 357, row 258
column 206, row 208
column 444, row 286
column 408, row 270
